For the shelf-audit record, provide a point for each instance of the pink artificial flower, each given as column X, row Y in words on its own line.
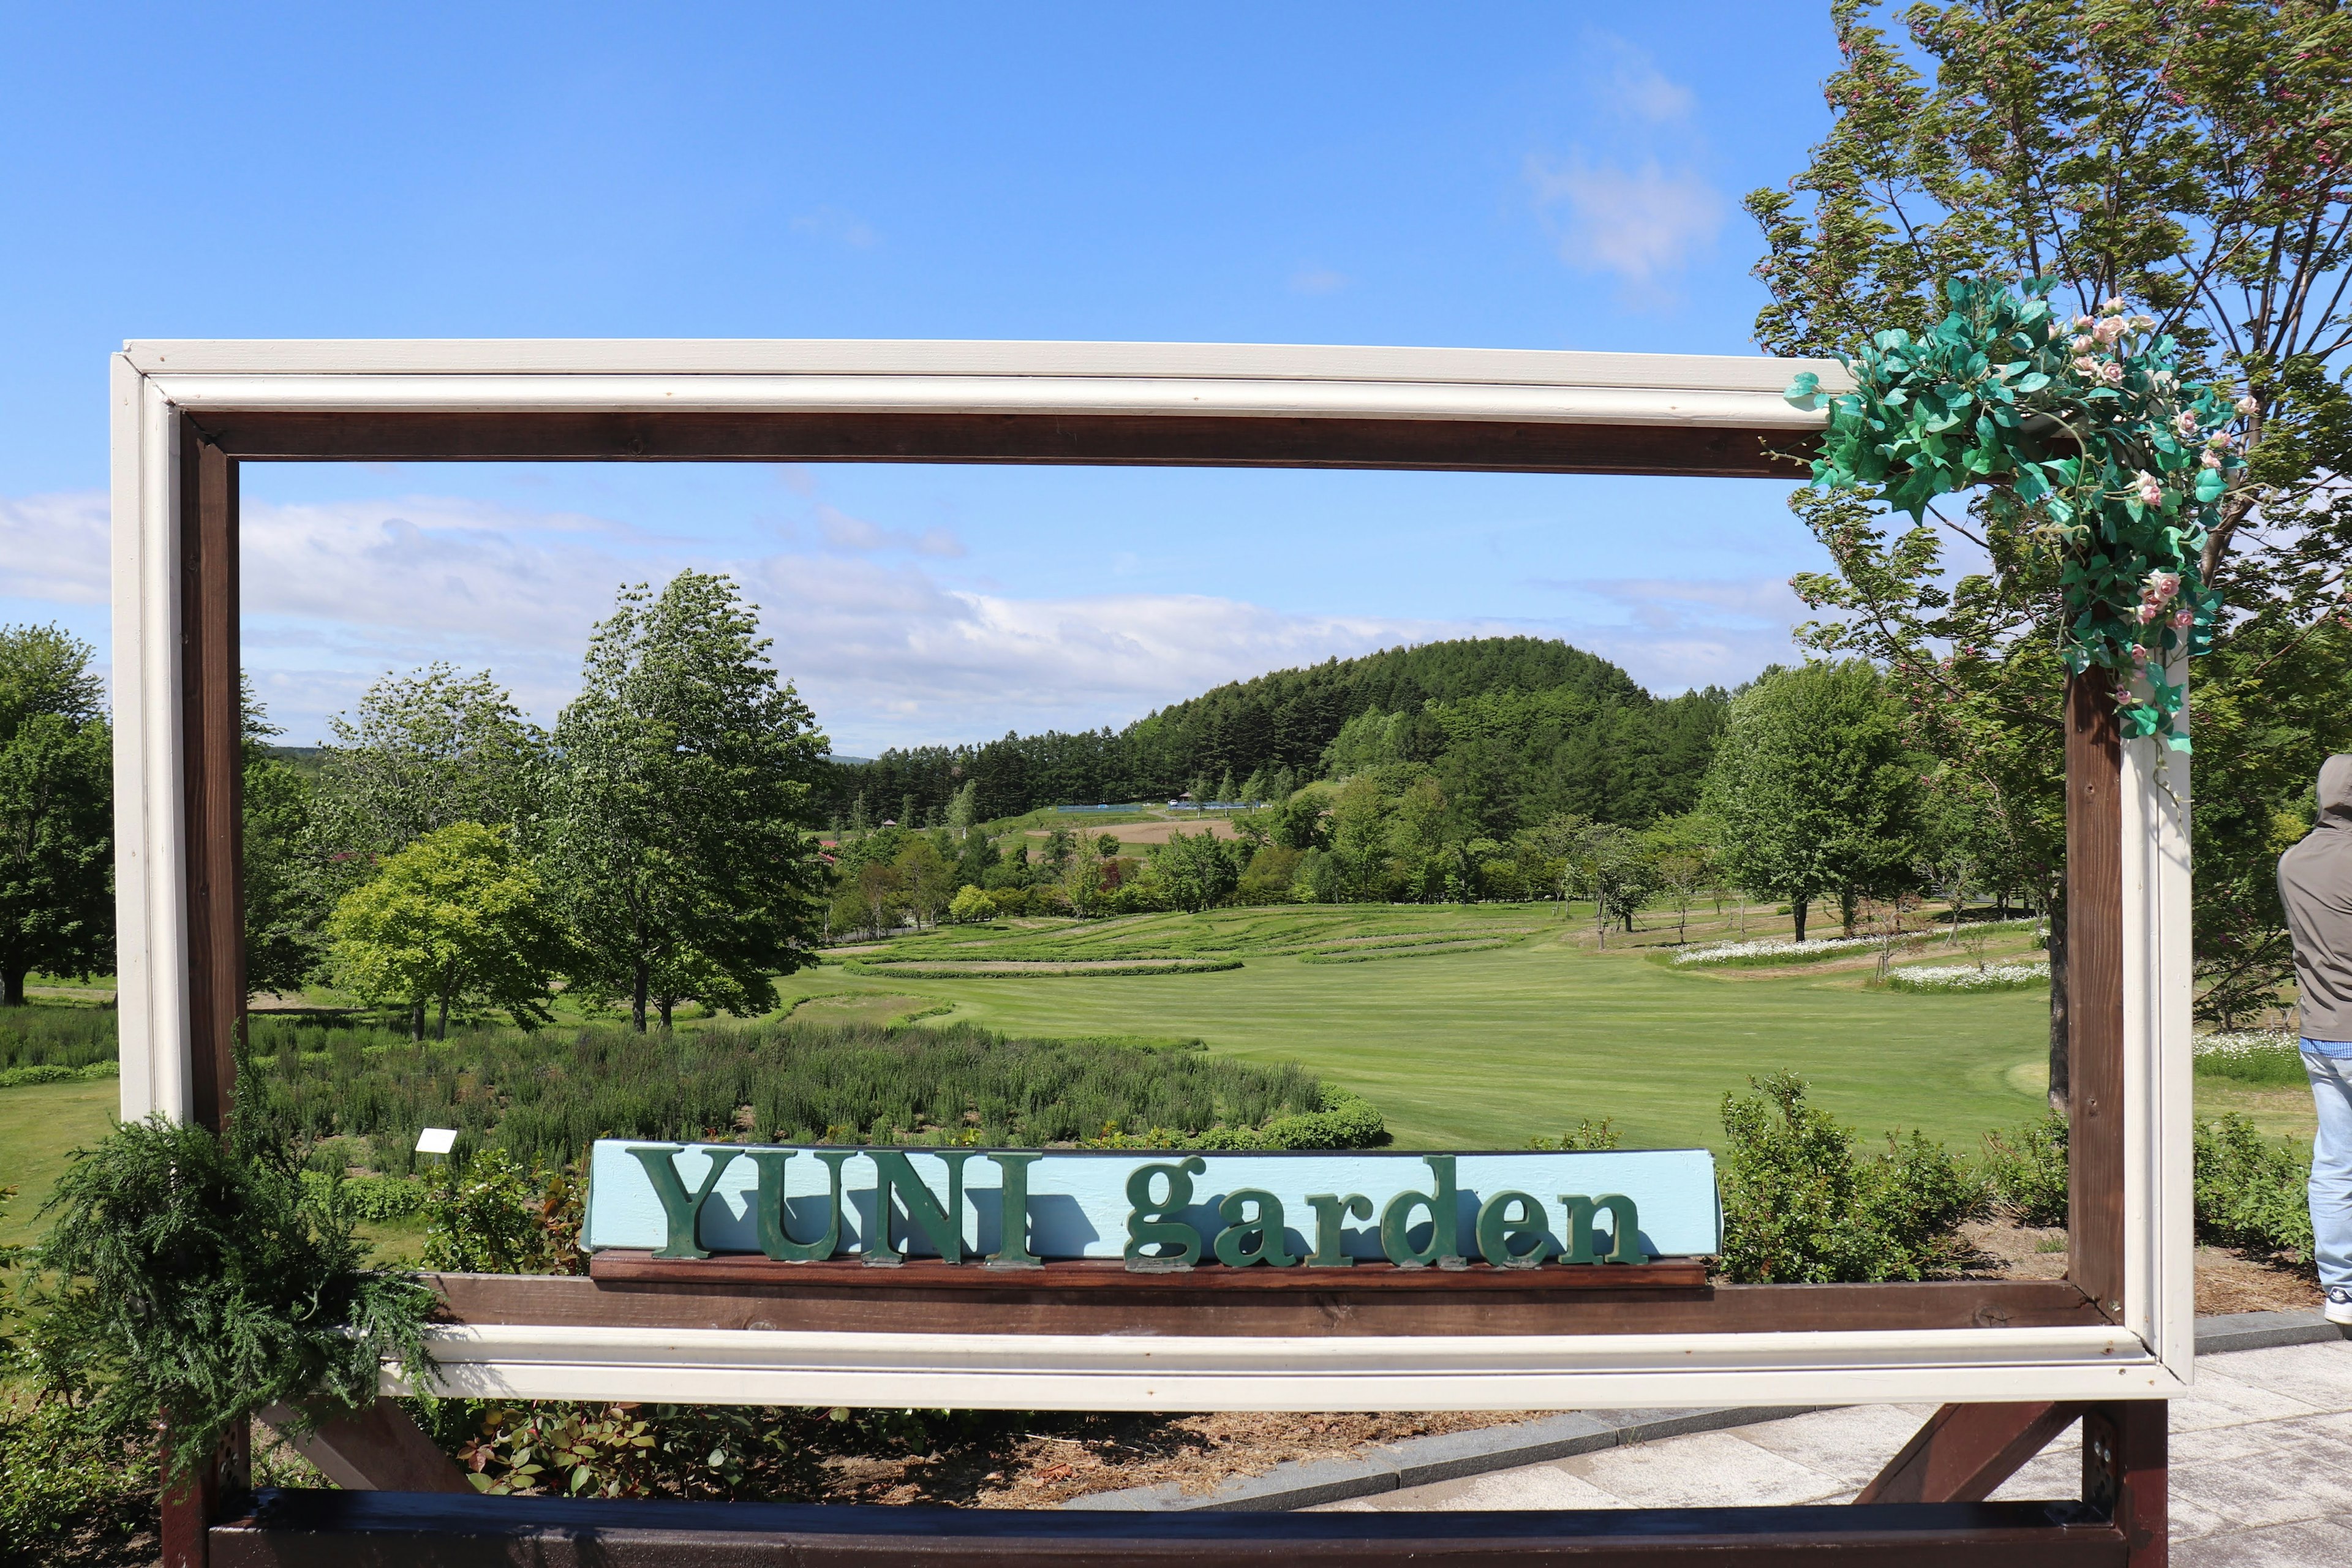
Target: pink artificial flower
column 2085, row 366
column 2160, row 585
column 2146, row 612
column 2248, row 406
column 2151, row 489
column 2219, row 440
column 2210, row 460
column 2186, row 422
column 2183, row 619
column 2113, row 307
column 2111, row 373
column 2143, row 324
column 2109, row 329
column 2081, row 324
column 2139, row 654
column 2084, row 344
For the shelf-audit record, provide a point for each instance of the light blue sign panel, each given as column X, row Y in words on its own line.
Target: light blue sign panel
column 1078, row 1205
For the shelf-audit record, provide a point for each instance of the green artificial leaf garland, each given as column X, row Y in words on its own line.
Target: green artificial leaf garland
column 2083, row 437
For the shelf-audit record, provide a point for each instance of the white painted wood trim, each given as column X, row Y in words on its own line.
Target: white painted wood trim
column 1063, row 1372
column 2148, row 1356
column 912, row 357
column 1074, row 396
column 2160, row 1199
column 151, row 970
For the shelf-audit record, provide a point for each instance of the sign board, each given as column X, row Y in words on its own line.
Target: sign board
column 1154, row 1209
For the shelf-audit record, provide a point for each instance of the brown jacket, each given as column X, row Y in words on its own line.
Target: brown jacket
column 2316, row 885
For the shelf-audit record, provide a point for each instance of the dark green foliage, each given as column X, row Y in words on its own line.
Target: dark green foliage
column 18, row 1077
column 201, row 1279
column 1515, row 728
column 1801, row 1204
column 1000, row 970
column 2027, row 1168
column 56, row 903
column 542, row 1099
column 1586, row 1135
column 2251, row 1191
column 67, row 1479
column 495, row 1218
column 56, row 1036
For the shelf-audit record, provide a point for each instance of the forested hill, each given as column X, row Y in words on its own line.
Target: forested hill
column 1513, row 728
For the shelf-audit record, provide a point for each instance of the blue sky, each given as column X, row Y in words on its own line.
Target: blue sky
column 1553, row 176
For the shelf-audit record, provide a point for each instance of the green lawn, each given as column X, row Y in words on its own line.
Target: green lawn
column 39, row 1125
column 1482, row 1050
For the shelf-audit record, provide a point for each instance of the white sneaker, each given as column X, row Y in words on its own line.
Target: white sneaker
column 2339, row 1304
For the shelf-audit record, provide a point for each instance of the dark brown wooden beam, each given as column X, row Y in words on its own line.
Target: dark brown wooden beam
column 1091, row 1278
column 212, row 774
column 379, row 1530
column 1117, row 440
column 1966, row 1451
column 2127, row 1476
column 2094, row 990
column 376, row 1448
column 872, row 1302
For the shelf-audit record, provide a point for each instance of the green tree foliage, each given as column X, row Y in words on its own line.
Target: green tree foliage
column 1813, row 790
column 1568, row 732
column 422, row 751
column 57, row 901
column 2187, row 159
column 677, row 790
column 285, row 896
column 454, row 920
column 1803, row 1205
column 1195, row 869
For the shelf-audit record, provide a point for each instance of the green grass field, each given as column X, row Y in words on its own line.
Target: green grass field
column 1487, row 1046
column 1508, row 1024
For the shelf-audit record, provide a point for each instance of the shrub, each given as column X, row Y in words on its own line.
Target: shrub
column 65, row 1476
column 1586, row 1136
column 51, row 1072
column 2251, row 1193
column 1802, row 1205
column 493, row 1217
column 970, row 904
column 56, row 1036
column 2027, row 1169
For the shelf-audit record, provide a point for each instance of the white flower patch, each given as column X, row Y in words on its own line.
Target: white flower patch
column 2243, row 1043
column 1967, row 977
column 1733, row 951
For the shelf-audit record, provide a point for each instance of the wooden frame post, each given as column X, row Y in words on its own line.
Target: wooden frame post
column 2094, row 990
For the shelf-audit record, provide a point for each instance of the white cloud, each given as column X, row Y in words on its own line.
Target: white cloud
column 844, row 532
column 841, row 228
column 1637, row 88
column 1673, row 632
column 54, row 547
column 1638, row 224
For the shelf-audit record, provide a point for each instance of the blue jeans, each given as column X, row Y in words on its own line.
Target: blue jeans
column 2331, row 1158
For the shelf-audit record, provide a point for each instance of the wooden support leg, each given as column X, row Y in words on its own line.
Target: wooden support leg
column 374, row 1448
column 1966, row 1451
column 191, row 1506
column 2124, row 1474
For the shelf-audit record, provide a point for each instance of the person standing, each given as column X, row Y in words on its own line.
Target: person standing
column 2315, row 880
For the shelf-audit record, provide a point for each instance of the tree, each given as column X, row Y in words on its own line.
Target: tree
column 286, row 905
column 970, row 904
column 56, row 844
column 1195, row 869
column 423, row 750
column 964, row 809
column 1613, row 867
column 1682, row 856
column 677, row 790
column 1813, row 788
column 454, row 920
column 2190, row 159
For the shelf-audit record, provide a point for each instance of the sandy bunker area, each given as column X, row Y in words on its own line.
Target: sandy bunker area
column 1147, row 832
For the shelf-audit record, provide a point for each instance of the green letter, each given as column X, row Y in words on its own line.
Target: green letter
column 683, row 1212
column 1013, row 1212
column 1147, row 1221
column 774, row 1239
column 1330, row 1209
column 1498, row 1225
column 1444, row 1222
column 1266, row 1226
column 942, row 1228
column 1625, row 1242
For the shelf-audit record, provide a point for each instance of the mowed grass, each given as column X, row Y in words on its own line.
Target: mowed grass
column 40, row 1124
column 1487, row 1048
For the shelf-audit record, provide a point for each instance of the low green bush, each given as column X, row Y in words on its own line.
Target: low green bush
column 73, row 1487
column 1587, row 1136
column 51, row 1072
column 1381, row 954
column 2251, row 1190
column 997, row 969
column 2027, row 1168
column 1803, row 1204
column 372, row 1200
column 56, row 1036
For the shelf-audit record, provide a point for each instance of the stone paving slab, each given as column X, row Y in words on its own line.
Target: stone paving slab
column 2262, row 1464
